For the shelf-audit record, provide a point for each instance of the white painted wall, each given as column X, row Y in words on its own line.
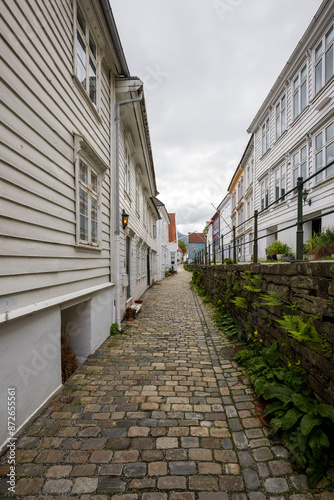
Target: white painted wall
column 30, row 362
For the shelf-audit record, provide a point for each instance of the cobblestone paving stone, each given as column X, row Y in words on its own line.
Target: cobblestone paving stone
column 157, row 414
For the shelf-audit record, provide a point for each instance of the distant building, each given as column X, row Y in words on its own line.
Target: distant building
column 196, row 243
column 162, row 232
column 173, row 242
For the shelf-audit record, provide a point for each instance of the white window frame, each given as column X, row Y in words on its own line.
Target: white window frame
column 88, row 58
column 265, row 134
column 138, row 263
column 321, row 151
column 138, row 194
column 280, row 182
column 280, row 116
column 234, row 199
column 84, row 152
column 127, row 172
column 324, row 60
column 264, row 193
column 92, row 191
column 144, row 212
column 299, row 165
column 251, row 243
column 299, row 92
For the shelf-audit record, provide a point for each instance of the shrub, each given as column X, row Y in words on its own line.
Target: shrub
column 321, row 244
column 277, row 247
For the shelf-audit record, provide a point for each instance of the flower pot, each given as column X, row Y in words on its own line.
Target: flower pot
column 279, row 256
column 131, row 318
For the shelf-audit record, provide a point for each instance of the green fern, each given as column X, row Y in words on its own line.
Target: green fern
column 304, row 332
column 254, row 282
column 273, row 299
column 240, row 302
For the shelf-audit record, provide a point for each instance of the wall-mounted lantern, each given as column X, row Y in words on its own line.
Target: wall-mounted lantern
column 125, row 219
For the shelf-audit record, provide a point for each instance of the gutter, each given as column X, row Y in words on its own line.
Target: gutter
column 115, row 36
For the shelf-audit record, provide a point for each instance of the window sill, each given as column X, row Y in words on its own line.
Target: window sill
column 283, row 134
column 127, row 195
column 94, row 109
column 300, row 116
column 87, row 248
column 322, row 90
column 266, row 153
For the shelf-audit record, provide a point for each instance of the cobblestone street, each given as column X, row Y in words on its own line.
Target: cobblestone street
column 156, row 414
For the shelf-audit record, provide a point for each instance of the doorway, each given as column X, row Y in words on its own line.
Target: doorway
column 316, row 226
column 127, row 265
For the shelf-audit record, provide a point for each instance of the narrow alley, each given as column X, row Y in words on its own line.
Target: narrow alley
column 156, row 414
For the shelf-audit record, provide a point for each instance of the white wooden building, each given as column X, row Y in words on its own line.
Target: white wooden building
column 294, row 136
column 163, row 257
column 62, row 267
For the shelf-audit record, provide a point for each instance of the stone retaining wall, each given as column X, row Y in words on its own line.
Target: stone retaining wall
column 310, row 285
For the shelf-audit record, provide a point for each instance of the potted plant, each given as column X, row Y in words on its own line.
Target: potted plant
column 276, row 249
column 130, row 313
column 321, row 244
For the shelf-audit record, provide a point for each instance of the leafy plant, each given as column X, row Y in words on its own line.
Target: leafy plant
column 254, row 282
column 304, row 426
column 240, row 302
column 304, row 332
column 277, row 247
column 228, row 261
column 274, row 299
column 321, row 244
column 231, row 327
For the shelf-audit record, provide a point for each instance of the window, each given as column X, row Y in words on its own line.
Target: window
column 249, row 178
column 137, row 194
column 299, row 92
column 250, row 237
column 88, row 204
column 265, row 136
column 324, row 151
column 172, row 258
column 86, row 57
column 264, row 193
column 233, row 200
column 144, row 213
column 280, row 182
column 127, row 178
column 138, row 260
column 240, row 220
column 280, row 117
column 299, row 166
column 240, row 189
column 323, row 58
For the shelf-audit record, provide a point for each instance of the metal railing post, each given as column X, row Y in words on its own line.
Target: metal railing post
column 214, row 255
column 255, row 245
column 209, row 254
column 234, row 247
column 222, row 248
column 300, row 229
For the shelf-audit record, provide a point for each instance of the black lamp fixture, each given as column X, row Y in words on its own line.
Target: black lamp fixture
column 125, row 219
column 305, row 194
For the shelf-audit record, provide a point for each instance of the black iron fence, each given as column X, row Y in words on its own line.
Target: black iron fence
column 204, row 256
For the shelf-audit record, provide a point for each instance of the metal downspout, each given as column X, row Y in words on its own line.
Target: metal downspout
column 117, row 200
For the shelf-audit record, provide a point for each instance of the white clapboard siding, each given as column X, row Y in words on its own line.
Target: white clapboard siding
column 43, row 107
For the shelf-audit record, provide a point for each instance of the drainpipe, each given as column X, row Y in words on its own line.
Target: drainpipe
column 117, row 225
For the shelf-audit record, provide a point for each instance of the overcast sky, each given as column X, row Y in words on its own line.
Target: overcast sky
column 207, row 66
